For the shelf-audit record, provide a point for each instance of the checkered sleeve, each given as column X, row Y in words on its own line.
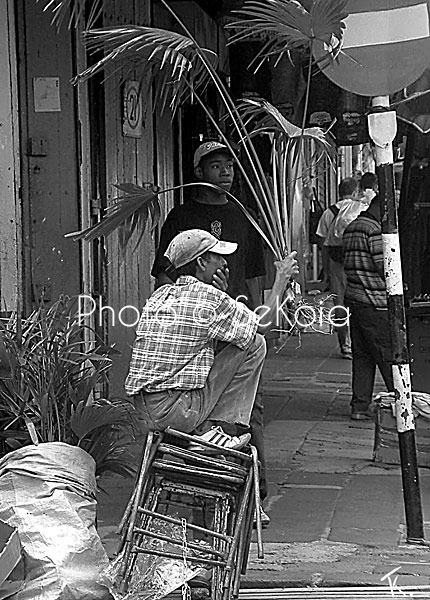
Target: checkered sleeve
column 233, row 322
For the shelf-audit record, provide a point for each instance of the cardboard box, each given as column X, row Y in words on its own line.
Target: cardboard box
column 10, row 551
column 386, row 447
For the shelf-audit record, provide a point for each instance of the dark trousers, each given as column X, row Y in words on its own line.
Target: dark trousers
column 371, row 348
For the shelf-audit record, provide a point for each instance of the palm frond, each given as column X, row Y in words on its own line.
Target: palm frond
column 327, row 19
column 73, row 10
column 288, row 22
column 169, row 61
column 111, row 453
column 129, row 213
column 269, row 119
column 88, row 416
column 286, row 26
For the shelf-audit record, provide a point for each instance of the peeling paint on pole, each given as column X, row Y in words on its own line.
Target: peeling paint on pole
column 392, row 263
column 382, row 129
column 402, row 385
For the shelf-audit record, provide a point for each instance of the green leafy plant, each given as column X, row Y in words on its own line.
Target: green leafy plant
column 54, row 393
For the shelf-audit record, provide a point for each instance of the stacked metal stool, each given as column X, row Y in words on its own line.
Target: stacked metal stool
column 195, row 509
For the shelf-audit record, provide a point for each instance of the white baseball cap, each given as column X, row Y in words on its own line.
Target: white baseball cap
column 189, row 245
column 208, row 148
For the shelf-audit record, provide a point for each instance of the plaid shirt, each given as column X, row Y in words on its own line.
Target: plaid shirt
column 364, row 262
column 175, row 337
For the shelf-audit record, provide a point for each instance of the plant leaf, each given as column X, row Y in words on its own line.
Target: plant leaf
column 74, row 10
column 87, row 417
column 166, row 60
column 128, row 214
column 271, row 120
column 288, row 25
column 327, row 18
column 288, row 22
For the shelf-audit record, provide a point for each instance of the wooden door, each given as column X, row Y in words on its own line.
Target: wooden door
column 50, row 161
column 10, row 238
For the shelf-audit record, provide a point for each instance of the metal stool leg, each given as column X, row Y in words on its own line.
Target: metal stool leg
column 126, row 542
column 256, row 470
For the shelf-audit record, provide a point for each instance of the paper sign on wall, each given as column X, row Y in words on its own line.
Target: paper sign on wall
column 46, row 92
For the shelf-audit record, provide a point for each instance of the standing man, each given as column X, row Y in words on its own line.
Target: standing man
column 330, row 234
column 366, row 298
column 368, row 187
column 212, row 211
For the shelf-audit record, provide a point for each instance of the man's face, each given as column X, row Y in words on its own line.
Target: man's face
column 212, row 262
column 217, row 168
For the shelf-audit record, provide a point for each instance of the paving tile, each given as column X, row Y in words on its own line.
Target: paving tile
column 368, row 536
column 301, row 515
column 369, row 502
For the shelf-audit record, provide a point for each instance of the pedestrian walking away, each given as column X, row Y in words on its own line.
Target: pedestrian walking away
column 366, row 298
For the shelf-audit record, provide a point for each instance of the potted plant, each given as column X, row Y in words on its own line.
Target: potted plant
column 58, row 434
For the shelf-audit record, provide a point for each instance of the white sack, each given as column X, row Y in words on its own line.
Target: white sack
column 48, row 493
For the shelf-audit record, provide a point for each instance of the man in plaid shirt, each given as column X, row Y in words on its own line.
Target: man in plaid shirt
column 175, row 376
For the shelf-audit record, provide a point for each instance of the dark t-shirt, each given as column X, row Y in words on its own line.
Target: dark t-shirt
column 226, row 222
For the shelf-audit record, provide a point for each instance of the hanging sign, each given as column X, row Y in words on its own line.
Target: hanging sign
column 132, row 124
column 384, row 48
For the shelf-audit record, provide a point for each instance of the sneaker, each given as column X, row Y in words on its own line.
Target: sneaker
column 346, row 354
column 217, row 436
column 265, row 519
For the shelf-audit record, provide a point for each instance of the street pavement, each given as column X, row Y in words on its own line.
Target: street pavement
column 338, row 517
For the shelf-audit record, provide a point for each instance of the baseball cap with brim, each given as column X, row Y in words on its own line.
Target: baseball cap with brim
column 208, row 148
column 189, row 245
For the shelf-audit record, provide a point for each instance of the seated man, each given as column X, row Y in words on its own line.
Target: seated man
column 175, row 376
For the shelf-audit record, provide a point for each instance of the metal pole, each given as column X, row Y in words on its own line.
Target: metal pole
column 382, row 129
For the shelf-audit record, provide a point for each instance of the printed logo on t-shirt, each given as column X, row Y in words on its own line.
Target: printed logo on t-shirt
column 216, row 229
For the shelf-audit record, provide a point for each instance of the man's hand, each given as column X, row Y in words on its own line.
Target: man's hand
column 220, row 279
column 288, row 267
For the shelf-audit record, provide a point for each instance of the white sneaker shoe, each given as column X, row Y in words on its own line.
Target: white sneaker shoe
column 217, row 436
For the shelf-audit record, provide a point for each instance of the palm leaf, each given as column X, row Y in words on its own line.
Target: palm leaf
column 271, row 120
column 87, row 417
column 288, row 22
column 327, row 19
column 111, row 453
column 169, row 61
column 288, row 25
column 128, row 214
column 74, row 10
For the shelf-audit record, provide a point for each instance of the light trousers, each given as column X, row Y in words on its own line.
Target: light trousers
column 228, row 395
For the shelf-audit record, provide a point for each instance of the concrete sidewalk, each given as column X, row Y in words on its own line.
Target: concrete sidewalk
column 337, row 516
